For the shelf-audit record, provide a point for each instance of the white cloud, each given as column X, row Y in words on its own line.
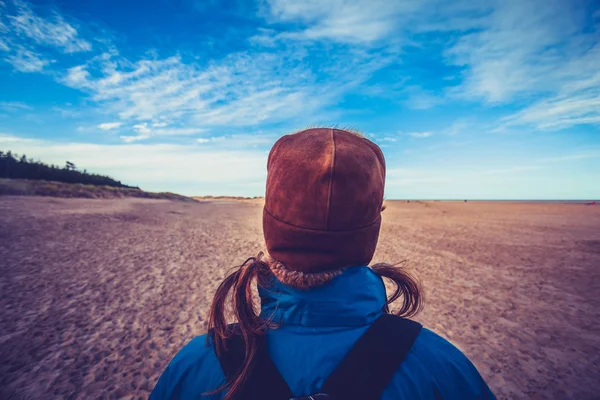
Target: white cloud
column 255, row 140
column 523, row 48
column 314, row 52
column 560, row 112
column 76, row 76
column 420, row 134
column 355, row 21
column 240, row 141
column 159, row 167
column 27, row 61
column 420, row 99
column 177, row 131
column 458, row 126
column 4, row 45
column 241, row 90
column 535, row 54
column 265, row 38
column 52, row 31
column 508, row 51
column 107, row 126
column 142, row 128
column 12, row 106
column 577, row 101
column 131, row 139
column 593, row 153
column 66, row 112
column 145, row 129
column 511, row 170
column 6, row 138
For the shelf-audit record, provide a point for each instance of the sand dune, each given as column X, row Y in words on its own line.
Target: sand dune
column 98, row 295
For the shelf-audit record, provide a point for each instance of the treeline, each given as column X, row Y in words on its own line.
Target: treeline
column 14, row 167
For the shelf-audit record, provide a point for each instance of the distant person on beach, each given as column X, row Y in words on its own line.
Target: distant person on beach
column 324, row 330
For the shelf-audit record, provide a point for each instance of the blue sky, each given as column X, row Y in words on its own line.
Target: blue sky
column 468, row 99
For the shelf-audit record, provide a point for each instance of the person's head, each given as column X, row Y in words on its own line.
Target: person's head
column 322, row 213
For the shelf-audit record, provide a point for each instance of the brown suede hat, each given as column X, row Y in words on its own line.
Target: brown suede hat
column 323, row 200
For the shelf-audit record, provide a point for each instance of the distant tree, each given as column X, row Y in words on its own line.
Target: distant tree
column 11, row 166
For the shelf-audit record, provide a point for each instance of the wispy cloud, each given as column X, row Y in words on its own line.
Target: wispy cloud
column 420, row 135
column 240, row 141
column 506, row 50
column 6, row 138
column 28, row 39
column 136, row 138
column 12, row 106
column 581, row 155
column 27, row 61
column 515, row 52
column 52, row 31
column 576, row 102
column 420, row 99
column 534, row 50
column 66, row 112
column 158, row 130
column 3, row 45
column 345, row 21
column 178, row 131
column 511, row 170
column 107, row 126
column 142, row 128
column 213, row 139
column 457, row 127
column 242, row 91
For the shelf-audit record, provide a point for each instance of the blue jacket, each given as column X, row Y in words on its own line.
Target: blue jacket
column 318, row 327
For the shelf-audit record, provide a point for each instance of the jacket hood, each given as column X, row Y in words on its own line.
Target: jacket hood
column 354, row 298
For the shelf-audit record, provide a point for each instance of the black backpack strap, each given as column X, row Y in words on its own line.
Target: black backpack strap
column 370, row 365
column 264, row 381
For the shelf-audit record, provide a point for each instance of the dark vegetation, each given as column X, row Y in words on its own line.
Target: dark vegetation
column 14, row 167
column 21, row 176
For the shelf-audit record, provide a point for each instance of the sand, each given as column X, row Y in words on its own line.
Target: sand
column 98, row 295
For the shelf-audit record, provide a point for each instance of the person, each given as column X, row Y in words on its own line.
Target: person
column 324, row 330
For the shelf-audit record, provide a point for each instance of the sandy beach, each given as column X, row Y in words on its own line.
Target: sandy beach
column 97, row 296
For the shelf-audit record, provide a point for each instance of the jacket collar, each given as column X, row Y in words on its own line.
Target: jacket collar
column 354, row 298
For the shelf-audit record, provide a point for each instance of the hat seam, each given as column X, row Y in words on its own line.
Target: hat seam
column 331, row 176
column 323, row 230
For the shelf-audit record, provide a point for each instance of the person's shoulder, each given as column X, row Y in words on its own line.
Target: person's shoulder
column 194, row 369
column 198, row 349
column 435, row 350
column 453, row 374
